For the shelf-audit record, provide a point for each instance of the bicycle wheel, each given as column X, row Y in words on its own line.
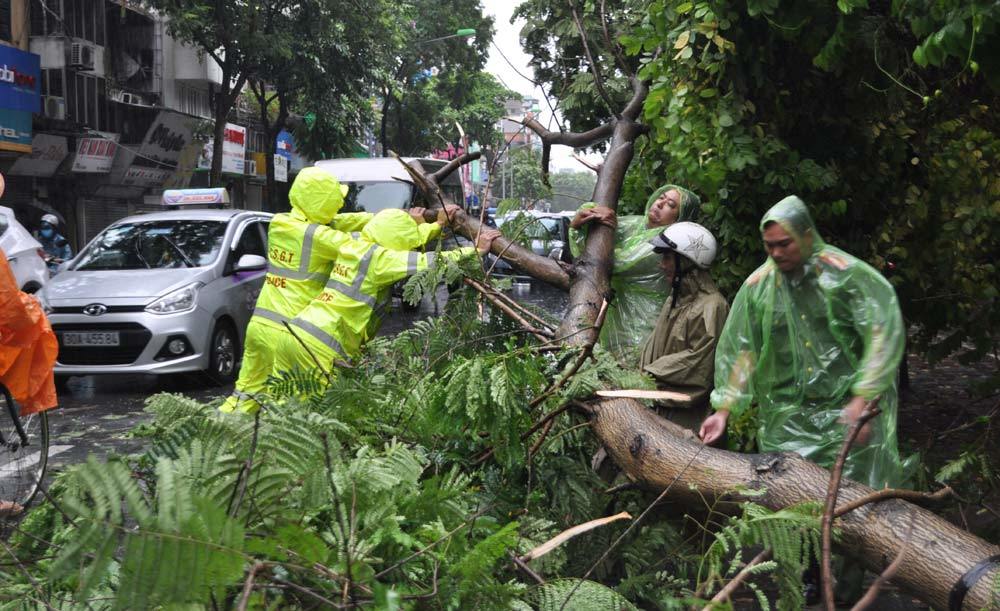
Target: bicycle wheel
column 22, row 458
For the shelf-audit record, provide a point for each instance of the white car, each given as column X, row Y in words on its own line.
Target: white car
column 24, row 253
column 160, row 293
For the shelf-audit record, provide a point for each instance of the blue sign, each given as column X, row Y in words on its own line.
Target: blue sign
column 285, row 144
column 20, row 80
column 15, row 130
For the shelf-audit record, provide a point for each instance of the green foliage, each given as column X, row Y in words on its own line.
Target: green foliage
column 432, row 83
column 792, row 535
column 581, row 595
column 571, row 189
column 881, row 116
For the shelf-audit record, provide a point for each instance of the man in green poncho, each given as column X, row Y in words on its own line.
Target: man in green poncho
column 640, row 288
column 813, row 335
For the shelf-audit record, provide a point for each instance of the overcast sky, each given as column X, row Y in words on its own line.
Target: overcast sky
column 507, row 39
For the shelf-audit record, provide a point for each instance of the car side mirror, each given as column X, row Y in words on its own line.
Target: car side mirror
column 250, row 263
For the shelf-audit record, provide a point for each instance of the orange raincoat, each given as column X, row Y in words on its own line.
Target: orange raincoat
column 28, row 347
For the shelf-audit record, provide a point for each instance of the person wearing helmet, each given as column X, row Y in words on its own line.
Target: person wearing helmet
column 813, row 336
column 680, row 352
column 640, row 288
column 347, row 312
column 301, row 248
column 56, row 247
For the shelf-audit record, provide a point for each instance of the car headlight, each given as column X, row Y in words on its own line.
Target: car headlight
column 181, row 300
column 42, row 301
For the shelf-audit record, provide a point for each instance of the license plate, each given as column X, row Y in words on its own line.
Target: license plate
column 91, row 338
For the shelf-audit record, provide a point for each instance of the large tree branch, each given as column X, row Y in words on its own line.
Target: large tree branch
column 545, row 269
column 574, row 139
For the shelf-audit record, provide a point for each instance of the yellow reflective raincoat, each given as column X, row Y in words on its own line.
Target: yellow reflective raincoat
column 347, row 313
column 301, row 248
column 640, row 288
column 803, row 345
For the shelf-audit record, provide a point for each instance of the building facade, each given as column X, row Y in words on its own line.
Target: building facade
column 118, row 113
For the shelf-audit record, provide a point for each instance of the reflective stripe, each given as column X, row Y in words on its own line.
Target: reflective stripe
column 411, row 263
column 292, row 274
column 242, row 396
column 431, row 259
column 307, row 247
column 269, row 314
column 355, row 234
column 354, row 290
column 349, row 291
column 328, row 340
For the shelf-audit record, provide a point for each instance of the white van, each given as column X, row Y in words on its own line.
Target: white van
column 381, row 182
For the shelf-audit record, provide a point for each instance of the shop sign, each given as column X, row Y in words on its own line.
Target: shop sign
column 47, row 152
column 95, row 155
column 233, row 150
column 159, row 153
column 15, row 130
column 20, row 80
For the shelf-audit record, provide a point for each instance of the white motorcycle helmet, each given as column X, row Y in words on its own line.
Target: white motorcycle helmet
column 51, row 219
column 689, row 240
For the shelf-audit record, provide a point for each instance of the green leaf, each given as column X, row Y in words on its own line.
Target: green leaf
column 726, row 120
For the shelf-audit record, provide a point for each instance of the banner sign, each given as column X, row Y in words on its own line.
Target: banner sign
column 280, row 168
column 20, row 80
column 96, row 154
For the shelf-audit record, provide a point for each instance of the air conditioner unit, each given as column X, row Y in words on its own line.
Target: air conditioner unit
column 55, row 107
column 250, row 167
column 126, row 97
column 81, row 56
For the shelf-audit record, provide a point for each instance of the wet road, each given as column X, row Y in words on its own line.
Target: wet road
column 96, row 412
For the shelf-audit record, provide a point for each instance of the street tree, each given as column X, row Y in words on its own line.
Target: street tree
column 322, row 61
column 434, row 73
column 233, row 35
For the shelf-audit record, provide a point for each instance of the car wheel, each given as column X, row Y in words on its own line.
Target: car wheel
column 223, row 354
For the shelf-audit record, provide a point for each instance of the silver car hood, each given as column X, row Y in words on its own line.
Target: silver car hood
column 119, row 286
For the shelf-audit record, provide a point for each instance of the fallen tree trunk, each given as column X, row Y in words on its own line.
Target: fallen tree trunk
column 657, row 454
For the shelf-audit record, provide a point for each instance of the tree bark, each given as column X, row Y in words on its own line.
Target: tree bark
column 657, row 454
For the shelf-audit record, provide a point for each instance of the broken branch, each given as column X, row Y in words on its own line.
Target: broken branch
column 569, row 533
column 912, row 496
column 826, row 574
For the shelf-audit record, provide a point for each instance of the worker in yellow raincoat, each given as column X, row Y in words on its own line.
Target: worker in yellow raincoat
column 347, row 313
column 301, row 248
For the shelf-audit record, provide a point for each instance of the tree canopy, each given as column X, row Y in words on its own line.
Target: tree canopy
column 882, row 116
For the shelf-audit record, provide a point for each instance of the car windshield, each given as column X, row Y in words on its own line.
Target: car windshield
column 375, row 196
column 154, row 245
column 534, row 227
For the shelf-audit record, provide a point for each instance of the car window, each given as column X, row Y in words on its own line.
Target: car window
column 251, row 241
column 375, row 196
column 154, row 245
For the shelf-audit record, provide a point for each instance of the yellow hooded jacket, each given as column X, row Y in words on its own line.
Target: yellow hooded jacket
column 303, row 244
column 347, row 313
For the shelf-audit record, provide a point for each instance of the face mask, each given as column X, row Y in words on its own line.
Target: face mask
column 47, row 232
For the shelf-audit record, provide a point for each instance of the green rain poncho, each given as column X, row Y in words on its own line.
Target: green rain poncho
column 803, row 345
column 640, row 288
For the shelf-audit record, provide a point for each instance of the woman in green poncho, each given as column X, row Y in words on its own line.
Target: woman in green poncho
column 813, row 335
column 640, row 288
